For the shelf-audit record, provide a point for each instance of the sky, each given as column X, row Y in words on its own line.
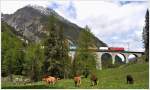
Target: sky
column 118, row 23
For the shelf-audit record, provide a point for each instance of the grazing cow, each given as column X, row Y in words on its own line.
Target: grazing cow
column 77, row 80
column 50, row 79
column 129, row 79
column 94, row 79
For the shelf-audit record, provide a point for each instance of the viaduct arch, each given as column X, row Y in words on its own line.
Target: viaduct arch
column 112, row 53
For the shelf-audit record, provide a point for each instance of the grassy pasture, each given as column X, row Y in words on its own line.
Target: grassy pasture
column 109, row 78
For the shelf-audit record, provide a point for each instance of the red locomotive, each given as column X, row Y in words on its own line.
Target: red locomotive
column 116, row 49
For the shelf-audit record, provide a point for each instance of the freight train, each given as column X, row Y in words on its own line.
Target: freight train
column 111, row 49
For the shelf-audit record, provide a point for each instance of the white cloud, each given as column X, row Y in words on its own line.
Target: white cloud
column 64, row 8
column 108, row 19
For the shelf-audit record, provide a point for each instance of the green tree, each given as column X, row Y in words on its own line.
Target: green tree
column 20, row 60
column 50, row 46
column 63, row 53
column 10, row 55
column 55, row 50
column 85, row 58
column 34, row 60
column 146, row 35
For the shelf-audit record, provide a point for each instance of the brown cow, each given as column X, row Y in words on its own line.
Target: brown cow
column 77, row 80
column 94, row 79
column 50, row 80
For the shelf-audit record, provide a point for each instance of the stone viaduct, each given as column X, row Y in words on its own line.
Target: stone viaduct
column 99, row 54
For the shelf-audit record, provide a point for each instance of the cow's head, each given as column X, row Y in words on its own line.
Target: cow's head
column 43, row 79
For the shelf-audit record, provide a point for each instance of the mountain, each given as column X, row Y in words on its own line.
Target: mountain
column 29, row 22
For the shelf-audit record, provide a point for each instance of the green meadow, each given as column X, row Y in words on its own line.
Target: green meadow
column 109, row 78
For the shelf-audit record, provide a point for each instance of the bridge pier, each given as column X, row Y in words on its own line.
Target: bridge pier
column 113, row 57
column 126, row 57
column 72, row 55
column 99, row 61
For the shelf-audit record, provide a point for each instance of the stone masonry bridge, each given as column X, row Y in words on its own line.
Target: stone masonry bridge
column 113, row 54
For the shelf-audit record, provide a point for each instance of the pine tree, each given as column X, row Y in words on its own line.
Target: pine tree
column 34, row 59
column 50, row 46
column 63, row 42
column 146, row 35
column 85, row 59
column 55, row 50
